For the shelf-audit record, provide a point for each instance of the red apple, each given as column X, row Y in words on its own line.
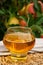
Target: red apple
column 30, row 8
column 23, row 23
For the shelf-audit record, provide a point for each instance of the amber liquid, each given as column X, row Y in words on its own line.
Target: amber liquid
column 19, row 42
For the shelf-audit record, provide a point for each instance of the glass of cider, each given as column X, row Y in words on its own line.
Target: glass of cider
column 19, row 40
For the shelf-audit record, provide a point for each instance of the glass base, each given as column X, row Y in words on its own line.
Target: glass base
column 18, row 57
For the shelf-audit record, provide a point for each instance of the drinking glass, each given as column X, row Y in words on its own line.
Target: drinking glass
column 19, row 40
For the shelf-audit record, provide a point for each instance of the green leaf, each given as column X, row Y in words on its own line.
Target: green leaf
column 37, row 30
column 36, row 33
column 39, row 14
column 2, row 12
column 37, row 6
column 27, row 1
column 31, row 20
column 36, row 27
column 23, row 17
column 40, row 21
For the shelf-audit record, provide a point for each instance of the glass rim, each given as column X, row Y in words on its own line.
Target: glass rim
column 20, row 27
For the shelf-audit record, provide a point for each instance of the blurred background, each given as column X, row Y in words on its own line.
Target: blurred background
column 27, row 13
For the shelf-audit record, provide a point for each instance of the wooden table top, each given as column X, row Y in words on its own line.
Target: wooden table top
column 32, row 59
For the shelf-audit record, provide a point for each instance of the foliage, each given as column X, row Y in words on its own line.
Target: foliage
column 10, row 8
